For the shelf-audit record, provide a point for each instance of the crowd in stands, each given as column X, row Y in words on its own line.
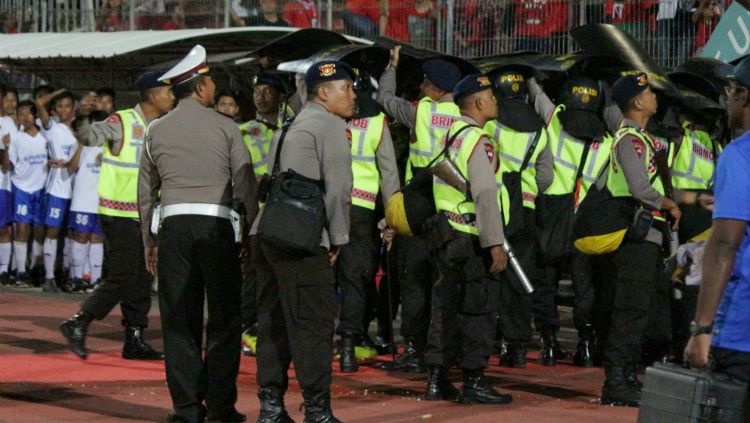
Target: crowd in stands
column 671, row 30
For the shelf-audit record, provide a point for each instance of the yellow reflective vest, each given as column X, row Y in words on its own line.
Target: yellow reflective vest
column 366, row 136
column 695, row 161
column 434, row 118
column 118, row 176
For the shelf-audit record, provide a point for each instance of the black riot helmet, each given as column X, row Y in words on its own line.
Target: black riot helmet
column 363, row 88
column 583, row 99
column 581, row 93
column 362, row 83
column 509, row 83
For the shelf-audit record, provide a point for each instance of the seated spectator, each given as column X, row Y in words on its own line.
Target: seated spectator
column 301, row 13
column 10, row 24
column 238, row 13
column 412, row 22
column 268, row 16
column 674, row 32
column 477, row 28
column 176, row 12
column 362, row 17
column 111, row 17
column 706, row 15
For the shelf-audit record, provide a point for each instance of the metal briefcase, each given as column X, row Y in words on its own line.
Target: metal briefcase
column 674, row 394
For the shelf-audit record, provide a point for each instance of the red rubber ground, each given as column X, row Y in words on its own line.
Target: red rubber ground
column 40, row 381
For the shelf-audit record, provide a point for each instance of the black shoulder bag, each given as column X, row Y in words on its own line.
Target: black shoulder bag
column 512, row 182
column 555, row 216
column 294, row 214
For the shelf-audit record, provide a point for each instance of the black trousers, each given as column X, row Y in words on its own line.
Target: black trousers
column 198, row 261
column 296, row 311
column 515, row 309
column 415, row 285
column 731, row 362
column 355, row 272
column 634, row 271
column 248, row 307
column 465, row 299
column 126, row 280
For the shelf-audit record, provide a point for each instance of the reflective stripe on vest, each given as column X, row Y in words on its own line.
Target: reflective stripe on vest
column 118, row 176
column 366, row 136
column 694, row 162
column 434, row 118
column 616, row 182
column 451, row 202
column 257, row 136
column 567, row 152
column 513, row 146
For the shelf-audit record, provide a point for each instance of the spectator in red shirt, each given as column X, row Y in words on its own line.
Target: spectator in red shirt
column 301, row 13
column 477, row 27
column 361, row 17
column 536, row 21
column 111, row 17
column 632, row 16
column 706, row 15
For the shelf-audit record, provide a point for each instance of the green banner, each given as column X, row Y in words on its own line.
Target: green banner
column 731, row 38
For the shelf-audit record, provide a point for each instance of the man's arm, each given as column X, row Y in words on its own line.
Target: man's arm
column 149, row 183
column 336, row 160
column 41, row 106
column 635, row 172
column 75, row 161
column 403, row 111
column 484, row 192
column 386, row 159
column 5, row 161
column 542, row 104
column 245, row 187
column 545, row 172
column 109, row 131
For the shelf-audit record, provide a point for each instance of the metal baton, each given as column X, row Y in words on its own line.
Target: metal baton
column 527, row 286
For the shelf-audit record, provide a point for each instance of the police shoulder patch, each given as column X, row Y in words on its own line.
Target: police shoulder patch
column 489, row 151
column 114, row 118
column 349, row 136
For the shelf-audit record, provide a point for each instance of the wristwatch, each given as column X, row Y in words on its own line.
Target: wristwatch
column 695, row 329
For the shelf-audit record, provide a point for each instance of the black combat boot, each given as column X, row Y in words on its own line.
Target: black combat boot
column 136, row 348
column 347, row 359
column 438, row 385
column 551, row 350
column 272, row 406
column 412, row 360
column 515, row 355
column 585, row 351
column 318, row 408
column 74, row 330
column 476, row 390
column 618, row 390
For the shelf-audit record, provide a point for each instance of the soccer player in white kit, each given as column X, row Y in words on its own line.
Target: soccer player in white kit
column 27, row 159
column 88, row 236
column 59, row 188
column 8, row 130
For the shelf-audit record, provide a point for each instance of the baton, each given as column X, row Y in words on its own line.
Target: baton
column 527, row 286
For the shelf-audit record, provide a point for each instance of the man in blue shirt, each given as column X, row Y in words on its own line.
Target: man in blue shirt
column 722, row 320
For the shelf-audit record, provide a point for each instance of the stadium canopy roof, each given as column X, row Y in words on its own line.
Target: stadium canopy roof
column 80, row 61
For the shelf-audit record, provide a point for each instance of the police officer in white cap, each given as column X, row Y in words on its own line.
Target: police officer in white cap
column 195, row 163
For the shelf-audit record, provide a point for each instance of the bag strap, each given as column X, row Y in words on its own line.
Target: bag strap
column 582, row 162
column 449, row 144
column 284, row 130
column 532, row 147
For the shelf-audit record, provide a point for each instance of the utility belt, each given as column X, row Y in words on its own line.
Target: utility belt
column 198, row 209
column 439, row 234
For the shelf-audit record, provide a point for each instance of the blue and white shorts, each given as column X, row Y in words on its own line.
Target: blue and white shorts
column 28, row 207
column 55, row 211
column 85, row 223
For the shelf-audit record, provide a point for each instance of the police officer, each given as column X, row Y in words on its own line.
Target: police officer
column 195, row 164
column 296, row 293
column 634, row 173
column 428, row 121
column 580, row 144
column 126, row 280
column 526, row 163
column 693, row 168
column 271, row 112
column 467, row 241
column 375, row 171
